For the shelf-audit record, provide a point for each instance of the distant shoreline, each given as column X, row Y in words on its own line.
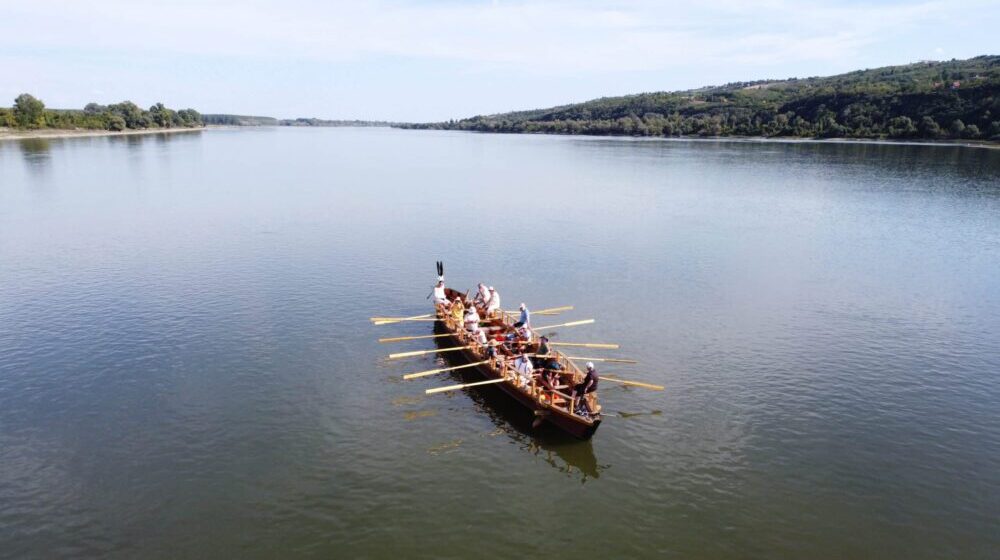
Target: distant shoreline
column 12, row 134
column 941, row 142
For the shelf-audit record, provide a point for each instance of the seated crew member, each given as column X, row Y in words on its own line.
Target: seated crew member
column 471, row 319
column 548, row 362
column 440, row 298
column 491, row 349
column 480, row 336
column 493, row 304
column 457, row 309
column 525, row 319
column 524, row 334
column 588, row 385
column 550, row 379
column 524, row 370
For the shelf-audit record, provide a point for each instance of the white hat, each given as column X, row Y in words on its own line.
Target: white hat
column 590, row 365
column 492, row 289
column 523, row 306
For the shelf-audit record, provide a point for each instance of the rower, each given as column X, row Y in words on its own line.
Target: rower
column 493, row 303
column 440, row 298
column 588, row 385
column 548, row 362
column 524, row 369
column 525, row 318
column 471, row 319
column 480, row 336
column 482, row 296
column 524, row 334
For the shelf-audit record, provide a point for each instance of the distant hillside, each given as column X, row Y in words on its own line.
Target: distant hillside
column 321, row 122
column 246, row 120
column 925, row 100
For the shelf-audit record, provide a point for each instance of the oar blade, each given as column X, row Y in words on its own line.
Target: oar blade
column 570, row 324
column 441, row 370
column 634, row 383
column 462, row 386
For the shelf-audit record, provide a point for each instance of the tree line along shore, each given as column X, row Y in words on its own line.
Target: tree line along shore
column 929, row 100
column 29, row 113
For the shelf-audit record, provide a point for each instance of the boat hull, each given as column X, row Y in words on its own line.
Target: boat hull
column 573, row 426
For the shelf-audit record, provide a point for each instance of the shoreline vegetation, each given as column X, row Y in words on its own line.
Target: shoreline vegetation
column 29, row 118
column 951, row 101
column 29, row 113
column 251, row 120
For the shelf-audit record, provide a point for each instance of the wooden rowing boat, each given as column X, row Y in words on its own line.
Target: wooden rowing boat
column 555, row 407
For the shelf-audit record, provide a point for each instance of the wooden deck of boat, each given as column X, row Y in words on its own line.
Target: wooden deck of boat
column 553, row 407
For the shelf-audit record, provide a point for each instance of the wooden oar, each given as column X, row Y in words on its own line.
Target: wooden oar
column 570, row 324
column 440, row 370
column 402, row 338
column 586, row 345
column 393, row 321
column 422, row 352
column 463, row 386
column 635, row 383
column 548, row 311
column 615, row 360
column 373, row 319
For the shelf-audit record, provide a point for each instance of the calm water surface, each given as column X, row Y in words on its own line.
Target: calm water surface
column 187, row 369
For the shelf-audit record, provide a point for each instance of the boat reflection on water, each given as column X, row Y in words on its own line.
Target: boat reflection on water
column 573, row 458
column 563, row 452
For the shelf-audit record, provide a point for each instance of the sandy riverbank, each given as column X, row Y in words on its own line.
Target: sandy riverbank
column 13, row 134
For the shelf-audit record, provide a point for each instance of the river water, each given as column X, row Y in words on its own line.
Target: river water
column 187, row 369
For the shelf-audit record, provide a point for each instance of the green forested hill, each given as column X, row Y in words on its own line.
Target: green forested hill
column 925, row 100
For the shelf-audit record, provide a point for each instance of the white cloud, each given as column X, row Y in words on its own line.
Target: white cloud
column 553, row 36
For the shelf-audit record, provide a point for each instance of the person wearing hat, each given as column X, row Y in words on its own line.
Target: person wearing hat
column 457, row 309
column 525, row 319
column 524, row 370
column 548, row 362
column 471, row 319
column 491, row 348
column 588, row 385
column 493, row 304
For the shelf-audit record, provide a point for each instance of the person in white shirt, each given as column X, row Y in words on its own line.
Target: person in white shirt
column 471, row 319
column 440, row 298
column 524, row 370
column 493, row 304
column 480, row 336
column 483, row 295
column 524, row 334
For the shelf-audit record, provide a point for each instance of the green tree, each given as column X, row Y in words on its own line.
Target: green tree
column 130, row 113
column 957, row 128
column 929, row 128
column 901, row 127
column 115, row 123
column 28, row 110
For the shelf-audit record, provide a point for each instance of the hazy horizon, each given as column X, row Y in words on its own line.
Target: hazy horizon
column 432, row 61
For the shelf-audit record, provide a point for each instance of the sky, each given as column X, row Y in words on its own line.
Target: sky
column 420, row 61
